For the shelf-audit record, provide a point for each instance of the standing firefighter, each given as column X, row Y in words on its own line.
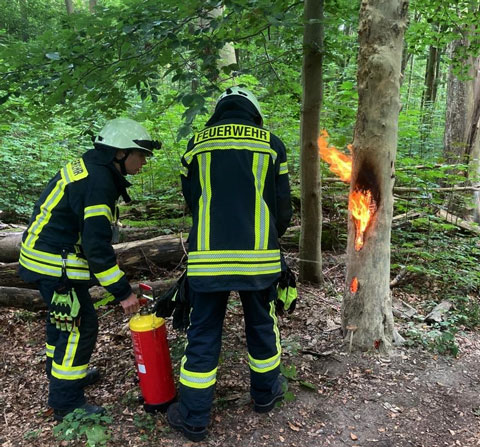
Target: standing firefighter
column 70, row 236
column 235, row 181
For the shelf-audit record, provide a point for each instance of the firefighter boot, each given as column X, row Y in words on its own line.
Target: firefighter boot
column 277, row 397
column 92, row 377
column 195, row 434
column 58, row 415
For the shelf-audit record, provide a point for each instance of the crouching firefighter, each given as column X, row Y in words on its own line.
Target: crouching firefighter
column 235, row 182
column 68, row 238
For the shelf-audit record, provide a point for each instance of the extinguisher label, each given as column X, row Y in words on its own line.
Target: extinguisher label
column 142, row 369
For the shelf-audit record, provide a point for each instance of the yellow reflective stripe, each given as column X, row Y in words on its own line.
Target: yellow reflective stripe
column 50, row 270
column 283, row 168
column 52, row 258
column 233, row 269
column 262, row 214
column 98, row 210
column 230, row 145
column 273, row 314
column 196, row 379
column 203, row 230
column 263, row 366
column 234, row 255
column 71, row 348
column 232, row 131
column 184, row 171
column 45, row 212
column 75, row 170
column 110, row 276
column 69, row 372
column 66, row 371
column 50, row 350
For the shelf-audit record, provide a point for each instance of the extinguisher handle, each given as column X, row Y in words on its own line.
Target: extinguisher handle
column 146, row 294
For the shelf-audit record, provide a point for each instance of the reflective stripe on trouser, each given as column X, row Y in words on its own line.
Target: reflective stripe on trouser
column 263, row 342
column 199, row 365
column 71, row 351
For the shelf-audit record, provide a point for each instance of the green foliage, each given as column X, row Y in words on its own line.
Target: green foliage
column 77, row 426
column 439, row 339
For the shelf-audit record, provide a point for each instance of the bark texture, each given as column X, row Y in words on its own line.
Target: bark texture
column 462, row 124
column 367, row 319
column 311, row 186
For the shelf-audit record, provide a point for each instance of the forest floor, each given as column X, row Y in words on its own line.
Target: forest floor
column 413, row 398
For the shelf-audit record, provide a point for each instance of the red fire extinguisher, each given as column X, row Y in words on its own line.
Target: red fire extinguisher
column 152, row 357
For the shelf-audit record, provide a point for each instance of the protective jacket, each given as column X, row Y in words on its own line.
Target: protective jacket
column 235, row 181
column 74, row 215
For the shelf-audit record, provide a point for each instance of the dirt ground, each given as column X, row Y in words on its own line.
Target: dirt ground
column 413, row 398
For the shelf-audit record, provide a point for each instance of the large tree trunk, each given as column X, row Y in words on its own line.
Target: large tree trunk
column 367, row 319
column 311, row 186
column 462, row 123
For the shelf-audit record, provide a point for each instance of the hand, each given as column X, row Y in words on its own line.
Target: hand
column 131, row 304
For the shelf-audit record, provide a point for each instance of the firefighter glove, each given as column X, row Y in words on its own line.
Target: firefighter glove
column 286, row 292
column 64, row 310
column 175, row 301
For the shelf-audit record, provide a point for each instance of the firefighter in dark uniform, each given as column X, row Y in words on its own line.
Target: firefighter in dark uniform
column 235, row 181
column 68, row 238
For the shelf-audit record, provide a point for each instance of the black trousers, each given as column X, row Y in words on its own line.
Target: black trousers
column 199, row 364
column 68, row 353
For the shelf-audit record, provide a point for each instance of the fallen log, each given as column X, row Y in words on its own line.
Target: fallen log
column 140, row 258
column 136, row 259
column 10, row 241
column 30, row 299
column 10, row 246
column 455, row 220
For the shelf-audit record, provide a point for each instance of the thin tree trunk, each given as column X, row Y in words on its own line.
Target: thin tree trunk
column 311, row 186
column 69, row 6
column 91, row 5
column 367, row 319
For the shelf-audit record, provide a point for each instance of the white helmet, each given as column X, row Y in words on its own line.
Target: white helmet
column 244, row 93
column 125, row 133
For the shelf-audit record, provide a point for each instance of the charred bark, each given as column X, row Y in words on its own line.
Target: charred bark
column 367, row 319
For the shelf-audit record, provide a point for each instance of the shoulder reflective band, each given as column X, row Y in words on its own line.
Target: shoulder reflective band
column 283, row 168
column 98, row 210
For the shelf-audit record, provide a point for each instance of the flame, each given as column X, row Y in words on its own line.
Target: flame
column 360, row 203
column 340, row 163
column 354, row 285
column 362, row 207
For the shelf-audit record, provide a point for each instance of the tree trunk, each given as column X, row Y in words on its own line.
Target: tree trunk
column 30, row 299
column 91, row 5
column 367, row 319
column 311, row 185
column 462, row 135
column 69, row 5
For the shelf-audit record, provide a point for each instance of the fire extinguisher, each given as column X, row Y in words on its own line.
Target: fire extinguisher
column 152, row 356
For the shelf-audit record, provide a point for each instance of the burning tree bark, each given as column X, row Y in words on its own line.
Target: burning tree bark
column 367, row 319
